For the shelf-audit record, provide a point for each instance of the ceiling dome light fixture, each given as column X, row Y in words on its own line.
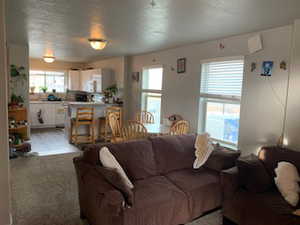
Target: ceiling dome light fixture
column 97, row 44
column 49, row 59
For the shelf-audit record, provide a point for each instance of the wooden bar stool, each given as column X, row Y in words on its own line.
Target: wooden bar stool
column 112, row 109
column 84, row 117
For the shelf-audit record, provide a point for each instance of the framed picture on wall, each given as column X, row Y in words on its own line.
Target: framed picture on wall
column 267, row 67
column 181, row 65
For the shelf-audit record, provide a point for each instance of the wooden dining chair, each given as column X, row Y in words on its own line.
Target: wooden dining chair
column 145, row 117
column 84, row 116
column 107, row 130
column 115, row 126
column 134, row 130
column 180, row 127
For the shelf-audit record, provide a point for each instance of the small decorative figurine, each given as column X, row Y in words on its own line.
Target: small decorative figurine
column 283, row 65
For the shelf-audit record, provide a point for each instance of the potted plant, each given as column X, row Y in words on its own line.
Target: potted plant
column 44, row 89
column 32, row 89
column 16, row 101
column 111, row 92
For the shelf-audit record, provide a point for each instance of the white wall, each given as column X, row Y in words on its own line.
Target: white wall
column 4, row 162
column 292, row 130
column 261, row 114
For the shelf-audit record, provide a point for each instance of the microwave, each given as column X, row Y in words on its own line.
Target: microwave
column 81, row 97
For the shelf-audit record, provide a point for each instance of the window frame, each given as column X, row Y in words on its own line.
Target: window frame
column 66, row 79
column 205, row 98
column 151, row 91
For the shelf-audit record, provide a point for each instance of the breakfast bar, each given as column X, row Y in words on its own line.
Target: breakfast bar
column 71, row 113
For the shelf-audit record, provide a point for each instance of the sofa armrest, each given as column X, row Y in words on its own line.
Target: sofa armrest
column 229, row 182
column 96, row 195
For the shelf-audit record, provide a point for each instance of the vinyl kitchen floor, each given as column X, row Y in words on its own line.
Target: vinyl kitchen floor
column 50, row 142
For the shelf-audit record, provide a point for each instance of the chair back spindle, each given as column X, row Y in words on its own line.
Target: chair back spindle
column 134, row 130
column 179, row 128
column 145, row 117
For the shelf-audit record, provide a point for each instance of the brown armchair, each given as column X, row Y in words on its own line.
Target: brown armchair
column 247, row 206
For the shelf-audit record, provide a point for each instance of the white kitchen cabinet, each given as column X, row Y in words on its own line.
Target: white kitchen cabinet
column 74, row 80
column 52, row 114
column 49, row 114
column 34, row 109
column 59, row 115
column 86, row 80
column 96, row 80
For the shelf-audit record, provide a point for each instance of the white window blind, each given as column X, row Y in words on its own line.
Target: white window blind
column 222, row 78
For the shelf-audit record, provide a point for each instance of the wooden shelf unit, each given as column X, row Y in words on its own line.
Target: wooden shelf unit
column 19, row 114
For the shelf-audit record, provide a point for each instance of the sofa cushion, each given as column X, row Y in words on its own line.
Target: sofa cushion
column 271, row 156
column 135, row 157
column 260, row 209
column 253, row 175
column 201, row 186
column 204, row 148
column 114, row 178
column 174, row 152
column 222, row 158
column 109, row 161
column 157, row 201
column 286, row 180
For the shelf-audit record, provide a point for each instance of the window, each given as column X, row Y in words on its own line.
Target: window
column 220, row 96
column 50, row 79
column 152, row 91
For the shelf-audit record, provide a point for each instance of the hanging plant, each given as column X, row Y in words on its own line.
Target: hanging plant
column 17, row 72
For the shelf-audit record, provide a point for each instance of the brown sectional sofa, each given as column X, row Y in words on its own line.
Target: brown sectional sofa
column 247, row 207
column 167, row 191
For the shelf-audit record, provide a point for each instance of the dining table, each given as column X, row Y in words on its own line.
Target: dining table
column 157, row 129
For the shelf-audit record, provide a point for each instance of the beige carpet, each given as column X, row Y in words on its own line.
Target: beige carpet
column 44, row 192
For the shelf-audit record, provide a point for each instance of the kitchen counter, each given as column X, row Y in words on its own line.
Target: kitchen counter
column 99, row 112
column 92, row 103
column 46, row 102
column 72, row 103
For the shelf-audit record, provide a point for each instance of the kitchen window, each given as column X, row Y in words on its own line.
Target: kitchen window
column 152, row 78
column 52, row 80
column 220, row 97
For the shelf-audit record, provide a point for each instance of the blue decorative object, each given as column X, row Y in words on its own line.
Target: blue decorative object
column 267, row 67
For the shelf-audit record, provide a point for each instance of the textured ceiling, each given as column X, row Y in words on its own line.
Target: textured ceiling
column 62, row 27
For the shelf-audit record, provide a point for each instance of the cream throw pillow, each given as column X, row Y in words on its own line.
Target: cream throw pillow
column 108, row 160
column 203, row 150
column 286, row 180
